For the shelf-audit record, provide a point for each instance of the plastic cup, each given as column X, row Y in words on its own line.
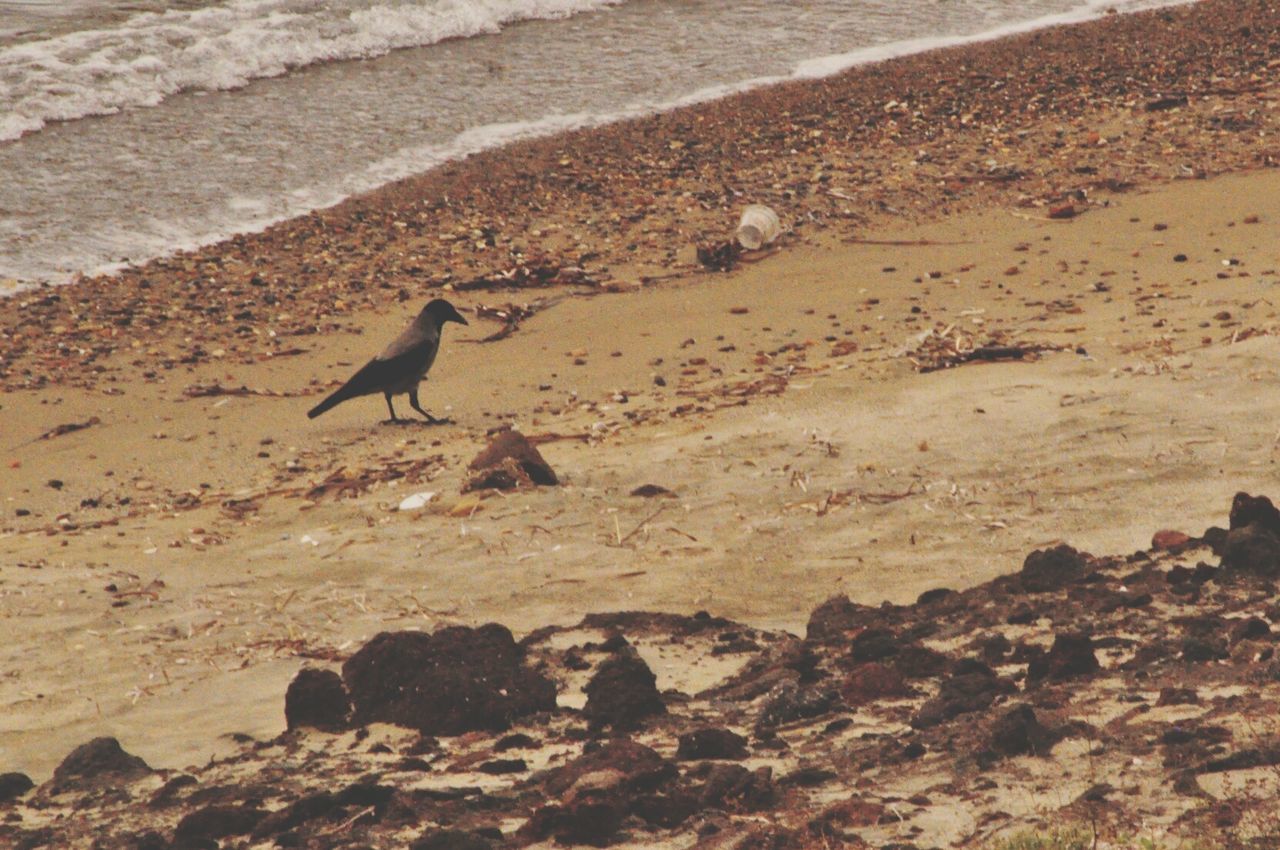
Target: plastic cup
column 758, row 226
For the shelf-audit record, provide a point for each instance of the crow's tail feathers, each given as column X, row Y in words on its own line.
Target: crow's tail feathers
column 337, row 398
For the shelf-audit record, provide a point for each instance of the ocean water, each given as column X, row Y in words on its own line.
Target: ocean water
column 133, row 128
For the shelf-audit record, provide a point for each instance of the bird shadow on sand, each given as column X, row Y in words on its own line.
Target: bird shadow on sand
column 425, row 423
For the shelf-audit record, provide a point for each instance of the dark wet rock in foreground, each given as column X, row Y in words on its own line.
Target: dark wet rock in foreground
column 886, row 722
column 456, row 680
column 99, row 763
column 14, row 785
column 317, row 698
column 623, row 693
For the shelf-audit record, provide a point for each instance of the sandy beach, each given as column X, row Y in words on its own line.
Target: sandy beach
column 1098, row 202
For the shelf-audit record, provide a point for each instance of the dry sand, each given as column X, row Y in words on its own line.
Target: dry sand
column 184, row 567
column 862, row 477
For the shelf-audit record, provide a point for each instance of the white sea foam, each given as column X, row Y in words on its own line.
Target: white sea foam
column 827, row 66
column 154, row 55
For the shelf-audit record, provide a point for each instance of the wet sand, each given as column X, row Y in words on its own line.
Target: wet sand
column 172, row 565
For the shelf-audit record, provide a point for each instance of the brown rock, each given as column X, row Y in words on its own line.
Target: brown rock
column 99, row 762
column 1254, row 510
column 622, row 693
column 1251, row 550
column 648, row 491
column 1018, row 731
column 1168, row 540
column 1071, row 655
column 1046, row 570
column 316, row 698
column 456, row 680
column 873, row 681
column 214, row 822
column 973, row 687
column 835, row 617
column 508, row 462
column 711, row 743
column 13, row 786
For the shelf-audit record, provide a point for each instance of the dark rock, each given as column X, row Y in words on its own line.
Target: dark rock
column 873, row 681
column 873, row 645
column 920, row 662
column 1201, row 648
column 641, row 767
column 590, row 813
column 622, row 693
column 993, row 648
column 1046, row 570
column 456, row 680
column 1251, row 550
column 711, row 743
column 1215, row 538
column 168, row 792
column 316, row 698
column 970, row 689
column 30, row 839
column 936, row 594
column 734, row 786
column 831, row 620
column 1022, row 615
column 451, row 839
column 1071, row 655
column 1017, row 731
column 793, row 703
column 215, row 822
column 1203, row 573
column 517, row 741
column 365, row 794
column 665, row 810
column 149, row 840
column 97, row 763
column 498, row 767
column 808, row 777
column 649, row 491
column 509, row 461
column 1257, row 511
column 14, row 785
column 295, row 814
column 1178, row 696
column 1250, row 628
column 1096, row 793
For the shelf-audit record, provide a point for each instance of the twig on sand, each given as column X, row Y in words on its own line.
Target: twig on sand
column 622, row 541
column 511, row 315
column 58, row 431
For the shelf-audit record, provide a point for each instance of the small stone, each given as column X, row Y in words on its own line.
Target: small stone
column 1018, row 732
column 1070, row 656
column 1168, row 540
column 13, row 786
column 711, row 743
column 622, row 693
column 316, row 698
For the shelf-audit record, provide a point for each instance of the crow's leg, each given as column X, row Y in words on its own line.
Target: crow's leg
column 394, row 418
column 413, row 402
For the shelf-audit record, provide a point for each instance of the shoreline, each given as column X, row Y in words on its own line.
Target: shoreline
column 502, row 134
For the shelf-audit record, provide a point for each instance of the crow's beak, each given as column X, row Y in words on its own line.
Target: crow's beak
column 457, row 317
